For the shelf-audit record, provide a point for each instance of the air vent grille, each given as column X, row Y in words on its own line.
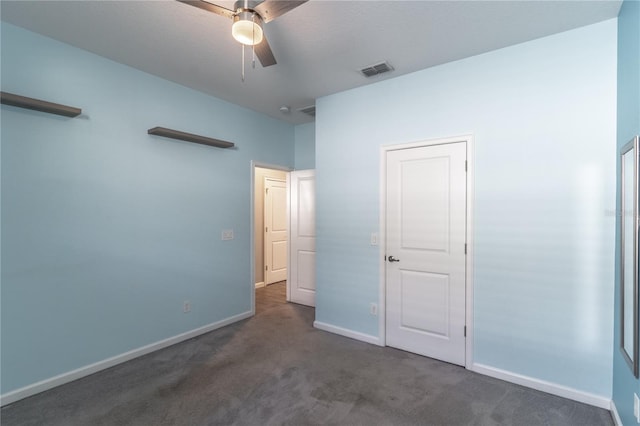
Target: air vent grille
column 376, row 69
column 310, row 110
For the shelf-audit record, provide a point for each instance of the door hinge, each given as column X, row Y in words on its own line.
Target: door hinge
column 465, row 331
column 465, row 248
column 266, row 191
column 266, row 267
column 466, row 165
column 266, row 229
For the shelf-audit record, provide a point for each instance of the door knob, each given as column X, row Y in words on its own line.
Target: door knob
column 391, row 259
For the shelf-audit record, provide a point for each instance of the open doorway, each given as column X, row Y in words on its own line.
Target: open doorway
column 282, row 235
column 270, row 229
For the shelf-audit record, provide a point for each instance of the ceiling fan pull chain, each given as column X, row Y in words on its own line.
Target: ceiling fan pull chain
column 253, row 61
column 253, row 46
column 243, row 63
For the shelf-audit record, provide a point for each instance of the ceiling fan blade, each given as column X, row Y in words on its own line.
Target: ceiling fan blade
column 264, row 53
column 210, row 7
column 271, row 9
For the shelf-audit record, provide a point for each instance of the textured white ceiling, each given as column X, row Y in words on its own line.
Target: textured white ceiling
column 319, row 46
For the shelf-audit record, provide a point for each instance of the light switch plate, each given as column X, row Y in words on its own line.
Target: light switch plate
column 374, row 239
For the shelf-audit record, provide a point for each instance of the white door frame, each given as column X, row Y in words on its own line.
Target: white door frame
column 468, row 139
column 252, row 230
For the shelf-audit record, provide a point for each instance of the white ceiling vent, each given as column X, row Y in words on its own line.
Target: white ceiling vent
column 310, row 110
column 376, row 69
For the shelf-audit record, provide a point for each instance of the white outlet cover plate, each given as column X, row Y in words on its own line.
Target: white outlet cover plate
column 227, row 234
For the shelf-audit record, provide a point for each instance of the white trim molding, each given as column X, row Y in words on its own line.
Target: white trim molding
column 471, row 178
column 544, row 386
column 614, row 413
column 81, row 372
column 367, row 338
column 260, row 284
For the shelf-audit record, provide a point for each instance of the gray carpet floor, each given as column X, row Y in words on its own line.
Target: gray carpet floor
column 275, row 368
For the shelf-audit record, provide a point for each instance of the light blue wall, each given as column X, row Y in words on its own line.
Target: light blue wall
column 107, row 230
column 543, row 116
column 624, row 383
column 305, row 155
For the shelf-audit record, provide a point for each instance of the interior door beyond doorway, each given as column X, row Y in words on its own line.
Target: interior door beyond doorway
column 275, row 236
column 426, row 250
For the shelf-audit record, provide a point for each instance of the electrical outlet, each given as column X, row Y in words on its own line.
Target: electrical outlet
column 227, row 234
column 373, row 309
column 636, row 407
column 186, row 306
column 374, row 239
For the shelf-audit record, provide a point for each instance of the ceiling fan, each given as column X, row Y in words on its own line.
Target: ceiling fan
column 248, row 17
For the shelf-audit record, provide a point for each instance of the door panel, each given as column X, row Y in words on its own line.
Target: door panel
column 279, row 256
column 426, row 232
column 306, row 276
column 425, row 213
column 420, row 314
column 275, row 237
column 302, row 265
column 305, row 208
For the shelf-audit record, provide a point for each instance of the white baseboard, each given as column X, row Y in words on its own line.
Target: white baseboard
column 260, row 284
column 544, row 386
column 368, row 338
column 614, row 413
column 70, row 376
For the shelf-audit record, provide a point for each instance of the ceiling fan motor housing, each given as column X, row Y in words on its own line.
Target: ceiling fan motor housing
column 245, row 5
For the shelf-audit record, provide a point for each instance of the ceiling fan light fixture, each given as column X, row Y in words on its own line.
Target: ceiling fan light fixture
column 247, row 28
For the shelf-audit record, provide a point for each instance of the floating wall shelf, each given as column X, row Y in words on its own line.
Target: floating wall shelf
column 38, row 105
column 189, row 137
